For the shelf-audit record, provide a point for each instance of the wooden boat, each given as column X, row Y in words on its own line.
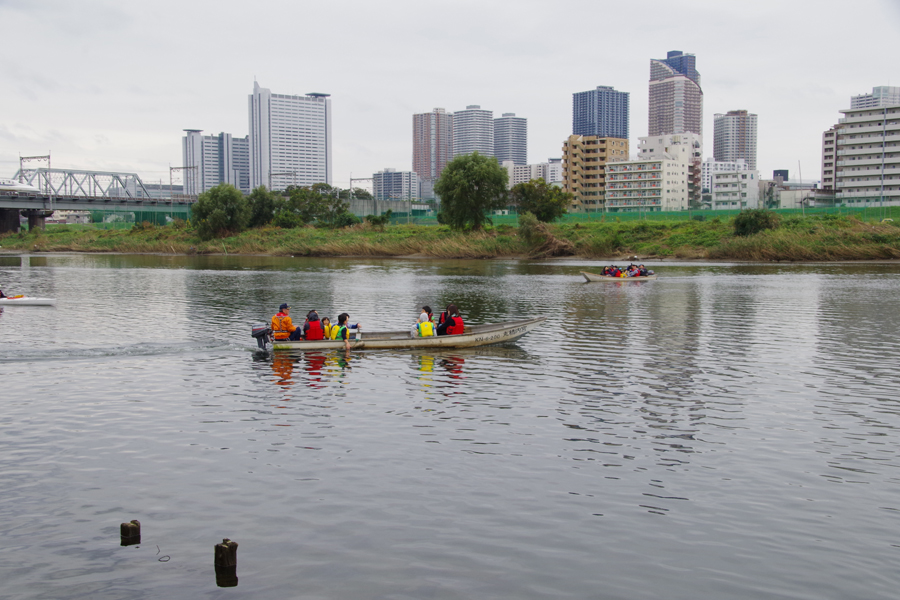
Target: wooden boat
column 475, row 335
column 27, row 301
column 595, row 277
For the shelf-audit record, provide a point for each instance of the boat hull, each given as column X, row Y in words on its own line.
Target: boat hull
column 476, row 335
column 595, row 277
column 27, row 301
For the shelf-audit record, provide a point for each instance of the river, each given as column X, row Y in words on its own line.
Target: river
column 726, row 431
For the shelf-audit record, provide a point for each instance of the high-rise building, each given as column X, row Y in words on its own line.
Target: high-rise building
column 209, row 160
column 432, row 143
column 602, row 112
column 881, row 96
column 734, row 137
column 829, row 157
column 473, row 131
column 676, row 99
column 511, row 139
column 391, row 184
column 868, row 160
column 290, row 139
column 686, row 147
column 584, row 162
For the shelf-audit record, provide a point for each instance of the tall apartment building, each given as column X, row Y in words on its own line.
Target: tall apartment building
column 511, row 139
column 473, row 131
column 676, row 99
column 584, row 162
column 829, row 158
column 210, row 160
column 432, row 143
column 868, row 156
column 391, row 184
column 881, row 96
column 734, row 137
column 711, row 166
column 602, row 112
column 554, row 170
column 290, row 139
column 687, row 147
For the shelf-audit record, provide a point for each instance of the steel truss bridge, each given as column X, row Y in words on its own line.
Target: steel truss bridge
column 75, row 189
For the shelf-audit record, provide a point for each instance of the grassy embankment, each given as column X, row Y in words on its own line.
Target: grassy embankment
column 823, row 237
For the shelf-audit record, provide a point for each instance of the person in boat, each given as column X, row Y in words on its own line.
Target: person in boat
column 282, row 327
column 425, row 326
column 451, row 322
column 327, row 327
column 342, row 329
column 313, row 329
column 2, row 295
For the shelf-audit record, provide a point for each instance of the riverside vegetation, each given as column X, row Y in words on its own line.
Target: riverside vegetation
column 752, row 235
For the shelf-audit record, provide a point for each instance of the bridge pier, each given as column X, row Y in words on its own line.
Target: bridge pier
column 37, row 218
column 9, row 220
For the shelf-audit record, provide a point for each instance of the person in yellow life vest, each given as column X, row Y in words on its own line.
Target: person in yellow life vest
column 425, row 327
column 283, row 328
column 329, row 329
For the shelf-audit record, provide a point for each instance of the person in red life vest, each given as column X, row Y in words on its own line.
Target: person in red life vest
column 451, row 323
column 282, row 327
column 312, row 329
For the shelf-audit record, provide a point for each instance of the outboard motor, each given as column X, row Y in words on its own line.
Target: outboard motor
column 263, row 333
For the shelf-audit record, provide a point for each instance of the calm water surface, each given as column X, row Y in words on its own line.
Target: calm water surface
column 727, row 431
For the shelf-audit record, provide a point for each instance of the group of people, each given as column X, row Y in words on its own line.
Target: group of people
column 313, row 328
column 448, row 323
column 631, row 270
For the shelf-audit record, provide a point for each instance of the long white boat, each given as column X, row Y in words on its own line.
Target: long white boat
column 475, row 335
column 27, row 301
column 596, row 277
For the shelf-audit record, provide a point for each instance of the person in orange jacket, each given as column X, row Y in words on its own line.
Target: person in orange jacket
column 283, row 328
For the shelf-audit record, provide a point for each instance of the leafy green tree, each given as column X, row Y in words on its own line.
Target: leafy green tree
column 546, row 202
column 220, row 211
column 380, row 221
column 263, row 206
column 346, row 219
column 306, row 204
column 470, row 186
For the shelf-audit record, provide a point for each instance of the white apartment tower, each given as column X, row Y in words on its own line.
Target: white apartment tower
column 473, row 131
column 735, row 137
column 868, row 156
column 511, row 139
column 881, row 96
column 391, row 184
column 290, row 139
column 210, row 160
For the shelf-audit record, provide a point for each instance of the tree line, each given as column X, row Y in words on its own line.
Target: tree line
column 470, row 187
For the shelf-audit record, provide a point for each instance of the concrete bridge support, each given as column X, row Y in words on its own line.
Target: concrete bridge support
column 9, row 220
column 37, row 219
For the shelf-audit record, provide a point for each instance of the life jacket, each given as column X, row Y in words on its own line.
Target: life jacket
column 456, row 327
column 315, row 331
column 338, row 332
column 282, row 326
column 442, row 318
column 328, row 329
column 426, row 328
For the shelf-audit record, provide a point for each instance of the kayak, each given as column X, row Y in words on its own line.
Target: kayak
column 595, row 277
column 27, row 301
column 474, row 335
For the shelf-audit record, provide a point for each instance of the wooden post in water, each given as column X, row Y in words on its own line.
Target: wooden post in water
column 130, row 533
column 226, row 563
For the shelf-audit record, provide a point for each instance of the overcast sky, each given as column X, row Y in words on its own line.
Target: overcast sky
column 111, row 84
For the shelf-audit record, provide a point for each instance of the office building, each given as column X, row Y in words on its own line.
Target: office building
column 602, row 112
column 511, row 139
column 829, row 158
column 432, row 143
column 473, row 131
column 584, row 162
column 736, row 190
column 290, row 139
column 734, row 137
column 881, row 96
column 867, row 168
column 210, row 160
column 711, row 166
column 391, row 184
column 676, row 99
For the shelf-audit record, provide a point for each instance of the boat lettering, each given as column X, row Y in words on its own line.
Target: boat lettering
column 504, row 334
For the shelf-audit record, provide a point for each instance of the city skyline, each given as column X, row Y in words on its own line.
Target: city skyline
column 89, row 119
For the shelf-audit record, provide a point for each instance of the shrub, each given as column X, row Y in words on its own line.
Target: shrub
column 751, row 222
column 345, row 219
column 220, row 211
column 287, row 219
